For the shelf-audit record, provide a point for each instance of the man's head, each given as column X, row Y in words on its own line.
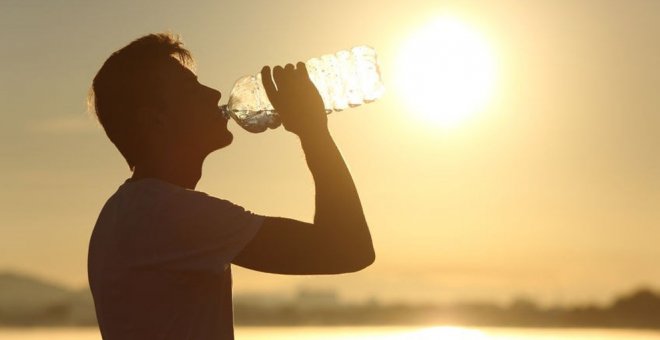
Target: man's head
column 149, row 101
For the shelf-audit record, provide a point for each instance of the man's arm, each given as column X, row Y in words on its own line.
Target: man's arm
column 339, row 240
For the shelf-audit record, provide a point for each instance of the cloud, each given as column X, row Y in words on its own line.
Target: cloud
column 79, row 124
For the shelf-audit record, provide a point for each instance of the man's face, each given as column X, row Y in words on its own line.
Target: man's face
column 192, row 117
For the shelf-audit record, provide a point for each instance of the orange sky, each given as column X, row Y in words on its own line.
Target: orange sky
column 551, row 192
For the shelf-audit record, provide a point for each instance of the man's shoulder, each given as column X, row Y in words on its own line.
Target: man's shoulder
column 151, row 190
column 153, row 196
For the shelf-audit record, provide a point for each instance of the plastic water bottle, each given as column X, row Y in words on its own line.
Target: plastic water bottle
column 344, row 79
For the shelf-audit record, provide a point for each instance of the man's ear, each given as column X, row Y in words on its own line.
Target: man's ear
column 149, row 117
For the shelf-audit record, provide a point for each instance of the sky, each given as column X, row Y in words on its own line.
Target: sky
column 551, row 191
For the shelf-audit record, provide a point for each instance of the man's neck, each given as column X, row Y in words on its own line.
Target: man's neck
column 183, row 172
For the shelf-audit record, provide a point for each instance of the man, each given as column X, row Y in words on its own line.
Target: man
column 160, row 253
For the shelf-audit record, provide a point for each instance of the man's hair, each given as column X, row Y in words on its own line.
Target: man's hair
column 127, row 81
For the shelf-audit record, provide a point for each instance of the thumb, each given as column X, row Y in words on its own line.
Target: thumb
column 269, row 86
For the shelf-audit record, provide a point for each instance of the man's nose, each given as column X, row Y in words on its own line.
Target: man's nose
column 211, row 92
column 216, row 94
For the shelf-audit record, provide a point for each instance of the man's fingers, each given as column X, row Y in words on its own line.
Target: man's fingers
column 277, row 71
column 301, row 69
column 269, row 86
column 284, row 81
column 289, row 74
column 278, row 74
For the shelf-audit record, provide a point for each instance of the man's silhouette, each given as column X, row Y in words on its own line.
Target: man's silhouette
column 160, row 253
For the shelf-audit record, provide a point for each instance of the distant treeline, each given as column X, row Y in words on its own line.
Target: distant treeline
column 640, row 309
column 25, row 301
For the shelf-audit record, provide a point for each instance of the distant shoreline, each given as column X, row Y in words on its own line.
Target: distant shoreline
column 26, row 302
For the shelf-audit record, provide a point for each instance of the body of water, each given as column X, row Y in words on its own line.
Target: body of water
column 364, row 333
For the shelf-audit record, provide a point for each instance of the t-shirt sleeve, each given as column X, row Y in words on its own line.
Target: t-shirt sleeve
column 193, row 231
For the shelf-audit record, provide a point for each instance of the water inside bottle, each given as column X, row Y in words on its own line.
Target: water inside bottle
column 253, row 120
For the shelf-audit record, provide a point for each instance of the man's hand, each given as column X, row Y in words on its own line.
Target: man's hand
column 296, row 99
column 339, row 240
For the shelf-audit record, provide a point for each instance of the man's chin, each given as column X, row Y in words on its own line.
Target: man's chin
column 226, row 140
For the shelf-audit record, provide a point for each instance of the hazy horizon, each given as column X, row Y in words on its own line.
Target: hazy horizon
column 374, row 333
column 551, row 191
column 296, row 294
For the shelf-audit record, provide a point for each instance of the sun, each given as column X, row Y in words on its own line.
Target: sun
column 446, row 72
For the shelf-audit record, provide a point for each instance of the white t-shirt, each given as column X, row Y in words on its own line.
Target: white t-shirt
column 159, row 262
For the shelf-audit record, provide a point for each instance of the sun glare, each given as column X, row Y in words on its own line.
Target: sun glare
column 445, row 72
column 448, row 333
